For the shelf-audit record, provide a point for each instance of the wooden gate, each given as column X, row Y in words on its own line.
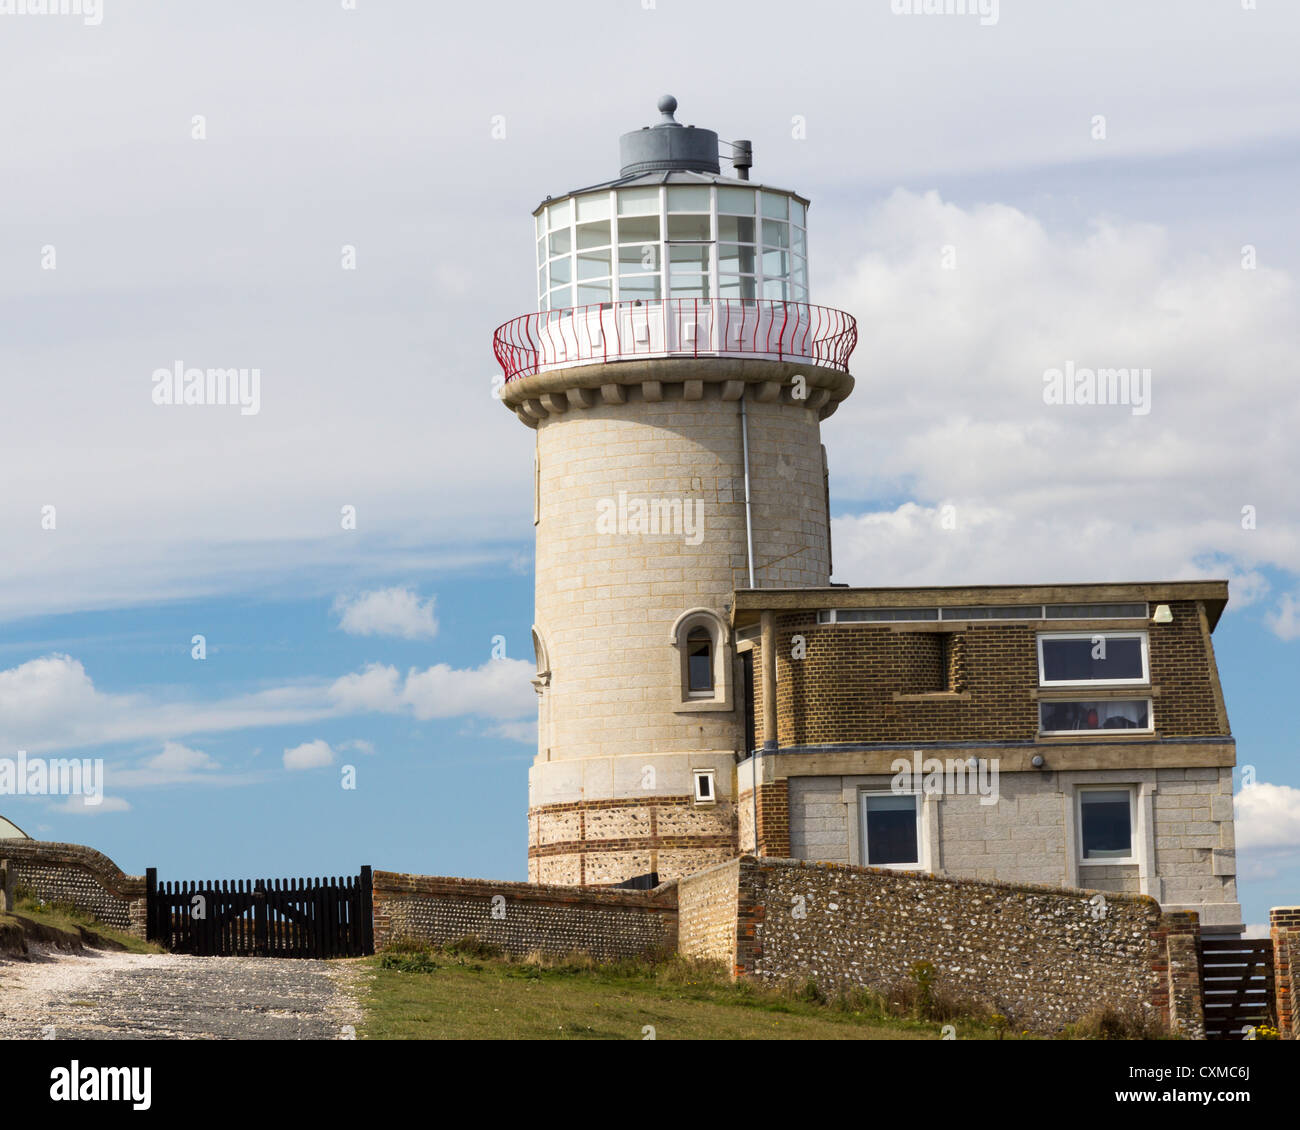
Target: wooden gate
column 266, row 917
column 1237, row 985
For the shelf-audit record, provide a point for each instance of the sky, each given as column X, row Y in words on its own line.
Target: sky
column 994, row 197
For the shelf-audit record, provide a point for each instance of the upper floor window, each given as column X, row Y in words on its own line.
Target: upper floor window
column 699, row 659
column 1067, row 659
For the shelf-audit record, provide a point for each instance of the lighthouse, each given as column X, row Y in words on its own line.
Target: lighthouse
column 674, row 375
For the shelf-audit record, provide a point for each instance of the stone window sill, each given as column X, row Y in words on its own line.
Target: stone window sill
column 933, row 696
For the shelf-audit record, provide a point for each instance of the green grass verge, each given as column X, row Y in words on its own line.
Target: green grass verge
column 60, row 916
column 460, row 994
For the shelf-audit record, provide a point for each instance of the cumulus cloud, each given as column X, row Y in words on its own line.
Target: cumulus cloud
column 986, row 482
column 177, row 758
column 1285, row 618
column 500, row 688
column 81, row 806
column 1267, row 818
column 309, row 755
column 387, row 612
column 525, row 732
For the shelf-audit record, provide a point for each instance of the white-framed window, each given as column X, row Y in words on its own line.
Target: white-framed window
column 1107, row 823
column 706, row 791
column 889, row 825
column 1082, row 659
column 1075, row 715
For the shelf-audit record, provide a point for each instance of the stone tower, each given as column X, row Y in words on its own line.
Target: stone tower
column 675, row 376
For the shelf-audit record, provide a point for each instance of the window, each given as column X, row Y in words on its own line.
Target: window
column 1106, row 825
column 1083, row 658
column 699, row 659
column 705, row 793
column 890, row 830
column 1066, row 717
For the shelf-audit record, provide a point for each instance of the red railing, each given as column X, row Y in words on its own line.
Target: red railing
column 675, row 327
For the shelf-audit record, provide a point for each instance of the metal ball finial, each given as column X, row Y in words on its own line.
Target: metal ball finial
column 667, row 106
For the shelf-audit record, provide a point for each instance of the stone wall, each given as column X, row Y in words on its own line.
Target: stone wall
column 707, row 913
column 1032, row 953
column 81, row 877
column 524, row 918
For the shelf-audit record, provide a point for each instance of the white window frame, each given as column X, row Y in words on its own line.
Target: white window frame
column 864, row 838
column 1133, row 830
column 1144, row 680
column 1148, row 729
column 710, row 775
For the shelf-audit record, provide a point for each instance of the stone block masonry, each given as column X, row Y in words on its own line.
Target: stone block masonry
column 82, row 877
column 1042, row 956
column 524, row 918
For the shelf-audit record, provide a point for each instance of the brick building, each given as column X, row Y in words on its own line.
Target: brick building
column 675, row 377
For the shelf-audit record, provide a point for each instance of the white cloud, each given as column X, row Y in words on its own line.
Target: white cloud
column 1267, row 818
column 177, row 758
column 309, row 755
column 387, row 612
column 51, row 703
column 949, row 408
column 359, row 745
column 525, row 732
column 79, row 806
column 1285, row 619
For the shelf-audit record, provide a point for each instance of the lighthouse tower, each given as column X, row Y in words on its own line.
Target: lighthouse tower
column 675, row 376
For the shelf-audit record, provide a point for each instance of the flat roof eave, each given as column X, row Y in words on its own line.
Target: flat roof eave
column 748, row 603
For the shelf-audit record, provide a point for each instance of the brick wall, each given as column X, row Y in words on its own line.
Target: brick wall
column 82, row 877
column 843, row 689
column 523, row 918
column 1035, row 954
column 1284, row 922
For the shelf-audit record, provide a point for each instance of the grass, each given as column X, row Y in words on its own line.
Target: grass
column 468, row 992
column 60, row 916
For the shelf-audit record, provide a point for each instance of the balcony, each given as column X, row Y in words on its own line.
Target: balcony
column 677, row 327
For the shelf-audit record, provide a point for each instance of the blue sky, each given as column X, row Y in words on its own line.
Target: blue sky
column 375, row 128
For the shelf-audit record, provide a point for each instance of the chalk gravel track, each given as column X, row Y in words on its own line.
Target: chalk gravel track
column 97, row 995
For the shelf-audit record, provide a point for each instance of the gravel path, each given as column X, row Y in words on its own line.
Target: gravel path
column 98, row 995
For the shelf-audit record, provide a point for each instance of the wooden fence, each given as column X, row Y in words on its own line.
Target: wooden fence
column 266, row 917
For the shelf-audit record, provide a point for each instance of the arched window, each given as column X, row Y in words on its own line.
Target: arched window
column 701, row 638
column 699, row 661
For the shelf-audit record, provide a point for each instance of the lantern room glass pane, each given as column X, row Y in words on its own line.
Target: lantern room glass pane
column 775, row 289
column 541, row 251
column 597, row 291
column 541, row 281
column 560, row 272
column 776, row 264
column 775, row 206
column 688, row 227
column 736, row 200
column 736, row 229
column 561, row 297
column 559, row 215
column 688, row 199
column 540, row 221
column 798, row 213
column 736, row 258
column 593, row 235
column 735, row 286
column 632, row 287
column 593, row 207
column 638, row 201
column 638, row 256
column 799, row 241
column 775, row 234
column 689, row 257
column 593, row 264
column 638, row 229
column 561, row 241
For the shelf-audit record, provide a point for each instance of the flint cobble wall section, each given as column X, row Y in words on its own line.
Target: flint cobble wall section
column 81, row 877
column 1035, row 954
column 524, row 918
column 707, row 912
